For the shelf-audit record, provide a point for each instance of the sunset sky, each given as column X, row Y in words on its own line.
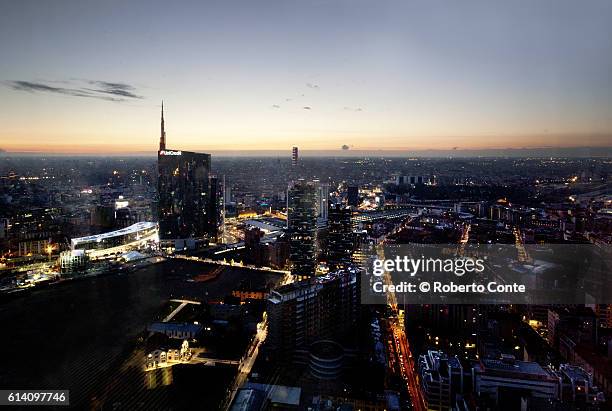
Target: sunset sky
column 89, row 76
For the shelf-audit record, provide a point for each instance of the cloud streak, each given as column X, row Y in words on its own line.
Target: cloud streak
column 101, row 90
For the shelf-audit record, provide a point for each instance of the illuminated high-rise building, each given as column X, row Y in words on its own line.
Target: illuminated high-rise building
column 215, row 210
column 340, row 237
column 322, row 200
column 352, row 196
column 314, row 309
column 188, row 197
column 294, row 156
column 302, row 228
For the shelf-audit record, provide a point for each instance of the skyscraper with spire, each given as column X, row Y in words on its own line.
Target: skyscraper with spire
column 189, row 208
column 162, row 137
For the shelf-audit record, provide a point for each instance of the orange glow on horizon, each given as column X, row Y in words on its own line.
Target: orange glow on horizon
column 394, row 144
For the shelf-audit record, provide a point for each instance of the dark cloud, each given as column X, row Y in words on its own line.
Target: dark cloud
column 307, row 108
column 345, row 147
column 103, row 91
column 118, row 89
column 275, row 106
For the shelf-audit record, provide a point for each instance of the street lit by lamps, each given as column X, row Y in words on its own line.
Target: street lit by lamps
column 49, row 251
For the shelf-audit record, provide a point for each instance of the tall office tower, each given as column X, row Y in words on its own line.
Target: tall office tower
column 215, row 210
column 302, row 228
column 253, row 251
column 319, row 308
column 227, row 191
column 322, row 200
column 363, row 249
column 223, row 208
column 352, row 196
column 340, row 238
column 294, row 156
column 187, row 197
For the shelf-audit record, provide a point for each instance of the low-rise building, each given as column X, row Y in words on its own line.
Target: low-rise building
column 506, row 380
column 441, row 379
column 181, row 331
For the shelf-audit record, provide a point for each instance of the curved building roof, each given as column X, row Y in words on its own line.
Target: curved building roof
column 134, row 228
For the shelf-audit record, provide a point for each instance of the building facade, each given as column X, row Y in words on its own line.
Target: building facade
column 189, row 198
column 119, row 241
column 508, row 381
column 302, row 228
column 319, row 308
column 322, row 201
column 441, row 380
column 340, row 238
column 294, row 156
column 352, row 196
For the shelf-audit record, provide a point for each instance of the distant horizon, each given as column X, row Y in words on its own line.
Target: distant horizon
column 568, row 152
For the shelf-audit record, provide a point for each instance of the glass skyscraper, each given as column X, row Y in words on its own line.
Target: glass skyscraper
column 302, row 228
column 189, row 213
column 340, row 237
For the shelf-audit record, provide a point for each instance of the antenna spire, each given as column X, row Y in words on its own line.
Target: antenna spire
column 162, row 137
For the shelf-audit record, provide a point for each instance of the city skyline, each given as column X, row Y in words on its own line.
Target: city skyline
column 399, row 77
column 306, row 205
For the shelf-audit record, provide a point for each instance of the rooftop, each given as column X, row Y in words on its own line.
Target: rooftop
column 134, row 228
column 248, row 399
column 525, row 368
column 277, row 295
column 279, row 394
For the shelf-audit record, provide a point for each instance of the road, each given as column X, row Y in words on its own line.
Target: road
column 195, row 358
column 246, row 363
column 523, row 256
column 175, row 312
column 407, row 366
column 182, row 305
column 401, row 344
column 233, row 264
column 402, row 347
